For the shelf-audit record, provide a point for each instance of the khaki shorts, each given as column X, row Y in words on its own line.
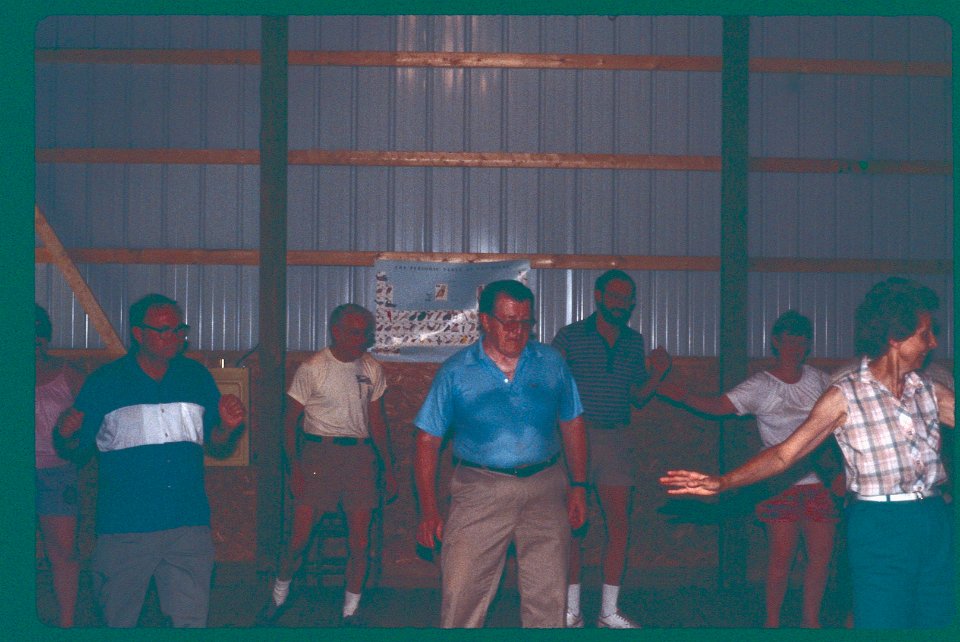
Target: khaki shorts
column 613, row 457
column 336, row 476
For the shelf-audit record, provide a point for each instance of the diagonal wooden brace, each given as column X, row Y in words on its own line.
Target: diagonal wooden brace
column 76, row 282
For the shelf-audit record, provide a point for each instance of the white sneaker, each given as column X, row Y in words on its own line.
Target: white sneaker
column 616, row 621
column 574, row 620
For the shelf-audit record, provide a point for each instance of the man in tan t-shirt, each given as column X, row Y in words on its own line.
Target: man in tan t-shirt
column 338, row 393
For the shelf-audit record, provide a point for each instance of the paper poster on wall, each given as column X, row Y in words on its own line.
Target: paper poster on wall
column 426, row 311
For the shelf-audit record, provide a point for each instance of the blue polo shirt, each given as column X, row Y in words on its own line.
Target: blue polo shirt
column 496, row 421
column 149, row 435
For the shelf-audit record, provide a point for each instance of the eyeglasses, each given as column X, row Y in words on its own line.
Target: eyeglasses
column 515, row 324
column 180, row 330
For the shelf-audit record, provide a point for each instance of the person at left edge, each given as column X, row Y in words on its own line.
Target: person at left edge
column 502, row 399
column 57, row 481
column 149, row 414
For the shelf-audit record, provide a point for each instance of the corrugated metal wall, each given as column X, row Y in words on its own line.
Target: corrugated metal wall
column 857, row 216
column 495, row 210
column 151, row 206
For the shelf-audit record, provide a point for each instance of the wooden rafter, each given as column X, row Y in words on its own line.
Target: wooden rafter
column 500, row 160
column 59, row 257
column 490, row 60
column 347, row 258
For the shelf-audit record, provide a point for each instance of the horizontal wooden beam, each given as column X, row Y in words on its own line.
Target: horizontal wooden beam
column 380, row 158
column 508, row 160
column 152, row 156
column 854, row 266
column 159, row 256
column 847, row 166
column 850, row 67
column 495, row 60
column 148, row 56
column 490, row 60
column 500, row 160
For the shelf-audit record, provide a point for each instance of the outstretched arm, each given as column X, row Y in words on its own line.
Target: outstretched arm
column 827, row 414
column 677, row 390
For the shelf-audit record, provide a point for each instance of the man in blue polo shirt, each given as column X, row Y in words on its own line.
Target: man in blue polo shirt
column 503, row 398
column 149, row 414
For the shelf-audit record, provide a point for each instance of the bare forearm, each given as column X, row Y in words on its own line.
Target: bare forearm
column 640, row 395
column 575, row 448
column 425, row 472
column 380, row 433
column 222, row 434
column 768, row 463
column 718, row 406
column 219, row 435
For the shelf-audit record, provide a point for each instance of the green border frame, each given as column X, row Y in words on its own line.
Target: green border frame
column 17, row 104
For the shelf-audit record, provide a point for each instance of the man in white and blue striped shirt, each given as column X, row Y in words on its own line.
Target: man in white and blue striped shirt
column 149, row 414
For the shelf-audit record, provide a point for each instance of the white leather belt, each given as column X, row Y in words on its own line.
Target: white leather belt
column 914, row 496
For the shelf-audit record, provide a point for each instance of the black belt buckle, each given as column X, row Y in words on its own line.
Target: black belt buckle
column 533, row 469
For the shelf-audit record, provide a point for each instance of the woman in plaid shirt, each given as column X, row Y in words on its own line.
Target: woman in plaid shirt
column 886, row 418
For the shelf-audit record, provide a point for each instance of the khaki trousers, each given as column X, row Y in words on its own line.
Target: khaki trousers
column 488, row 511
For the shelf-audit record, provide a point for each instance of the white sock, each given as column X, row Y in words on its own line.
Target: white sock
column 608, row 600
column 281, row 589
column 573, row 599
column 350, row 603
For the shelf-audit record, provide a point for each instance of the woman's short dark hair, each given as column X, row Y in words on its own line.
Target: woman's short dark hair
column 891, row 310
column 793, row 323
column 508, row 287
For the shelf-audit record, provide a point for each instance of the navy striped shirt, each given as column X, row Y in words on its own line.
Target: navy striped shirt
column 604, row 374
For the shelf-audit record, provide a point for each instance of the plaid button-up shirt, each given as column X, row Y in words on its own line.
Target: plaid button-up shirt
column 889, row 445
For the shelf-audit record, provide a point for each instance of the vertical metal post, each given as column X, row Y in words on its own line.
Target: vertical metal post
column 733, row 259
column 267, row 435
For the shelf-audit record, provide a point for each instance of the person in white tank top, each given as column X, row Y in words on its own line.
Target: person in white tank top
column 780, row 398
